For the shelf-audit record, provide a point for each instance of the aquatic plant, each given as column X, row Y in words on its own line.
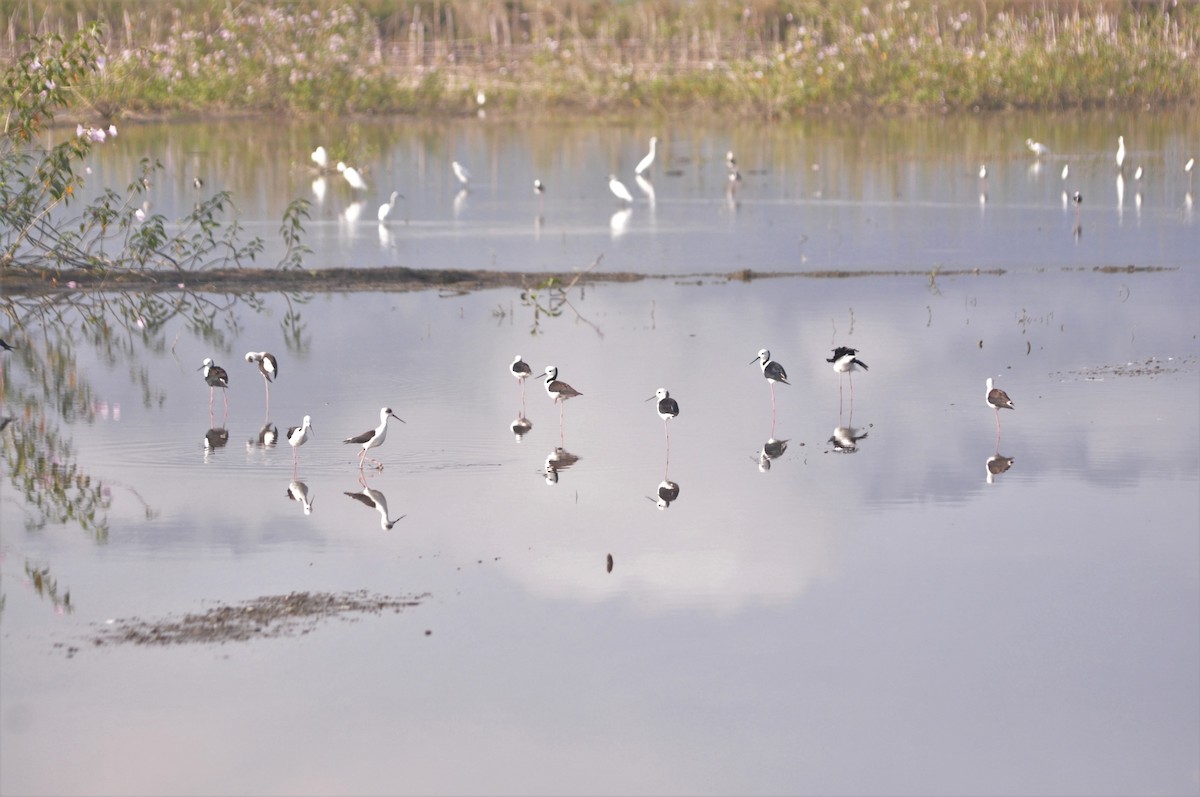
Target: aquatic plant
column 757, row 58
column 40, row 227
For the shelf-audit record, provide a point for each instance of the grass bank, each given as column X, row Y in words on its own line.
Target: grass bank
column 749, row 59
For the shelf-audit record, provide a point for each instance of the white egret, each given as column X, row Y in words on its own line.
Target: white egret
column 647, row 161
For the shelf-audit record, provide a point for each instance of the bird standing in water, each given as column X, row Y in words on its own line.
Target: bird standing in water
column 216, row 377
column 374, row 437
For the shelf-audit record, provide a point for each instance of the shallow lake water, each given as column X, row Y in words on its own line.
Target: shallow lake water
column 816, row 611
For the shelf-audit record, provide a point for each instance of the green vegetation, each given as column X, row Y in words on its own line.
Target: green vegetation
column 756, row 58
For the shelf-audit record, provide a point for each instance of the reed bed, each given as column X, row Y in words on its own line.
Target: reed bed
column 748, row 59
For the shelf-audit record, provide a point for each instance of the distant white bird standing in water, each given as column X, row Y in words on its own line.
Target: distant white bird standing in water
column 998, row 400
column 373, row 438
column 1066, row 170
column 1187, row 169
column 1037, row 148
column 1120, row 157
column 462, row 173
column 321, row 158
column 1137, row 173
column 539, row 187
column 983, row 171
column 619, row 190
column 386, row 207
column 730, row 161
column 647, row 161
column 352, row 176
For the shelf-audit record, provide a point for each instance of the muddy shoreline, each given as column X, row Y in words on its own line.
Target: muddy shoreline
column 397, row 279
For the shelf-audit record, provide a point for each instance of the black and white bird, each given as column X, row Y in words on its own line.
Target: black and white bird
column 298, row 436
column 845, row 360
column 557, row 389
column 773, row 372
column 268, row 366
column 520, row 369
column 375, row 437
column 4, row 344
column 998, row 400
column 216, row 377
column 668, row 408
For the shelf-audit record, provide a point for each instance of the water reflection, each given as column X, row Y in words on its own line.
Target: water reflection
column 521, row 427
column 375, row 499
column 997, row 464
column 845, row 439
column 298, row 491
column 771, row 450
column 267, row 437
column 667, row 492
column 216, row 437
column 557, row 461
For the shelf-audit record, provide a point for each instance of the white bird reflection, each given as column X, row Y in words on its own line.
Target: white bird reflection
column 375, row 499
column 298, row 491
column 620, row 222
column 647, row 188
column 353, row 211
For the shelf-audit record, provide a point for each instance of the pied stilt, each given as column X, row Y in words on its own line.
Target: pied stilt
column 844, row 360
column 773, row 372
column 216, row 377
column 298, row 436
column 998, row 400
column 521, row 371
column 668, row 408
column 559, row 391
column 373, row 438
column 268, row 366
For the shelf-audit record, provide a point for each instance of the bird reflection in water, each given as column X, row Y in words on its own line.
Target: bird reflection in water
column 996, row 464
column 375, row 499
column 214, row 438
column 556, row 461
column 845, row 439
column 521, row 427
column 267, row 437
column 772, row 449
column 667, row 492
column 298, row 491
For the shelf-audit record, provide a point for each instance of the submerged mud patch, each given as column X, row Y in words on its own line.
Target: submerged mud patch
column 268, row 616
column 1151, row 367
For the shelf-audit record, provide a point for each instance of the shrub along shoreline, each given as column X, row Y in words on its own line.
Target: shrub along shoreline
column 764, row 60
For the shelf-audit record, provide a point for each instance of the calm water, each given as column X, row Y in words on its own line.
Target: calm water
column 879, row 621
